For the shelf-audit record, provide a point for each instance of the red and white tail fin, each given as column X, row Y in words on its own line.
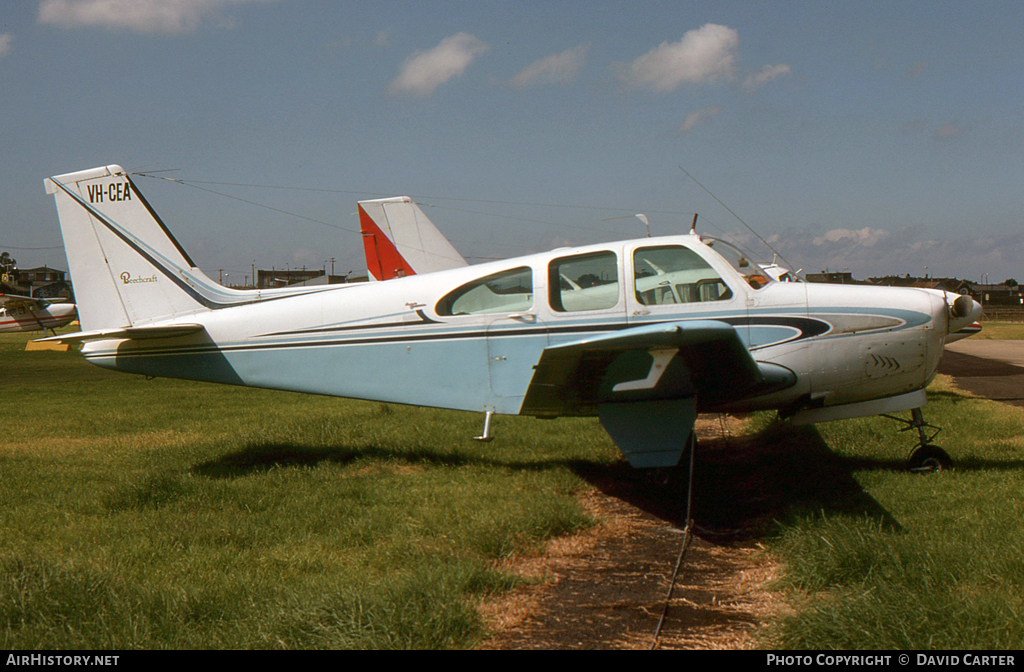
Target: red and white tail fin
column 399, row 239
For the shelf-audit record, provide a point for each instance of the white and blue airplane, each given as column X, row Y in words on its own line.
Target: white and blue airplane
column 644, row 334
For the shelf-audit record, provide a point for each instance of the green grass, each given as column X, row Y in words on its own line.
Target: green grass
column 150, row 514
column 925, row 562
column 1003, row 331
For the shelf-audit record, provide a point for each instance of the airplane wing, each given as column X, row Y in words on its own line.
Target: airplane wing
column 647, row 383
column 702, row 358
column 10, row 301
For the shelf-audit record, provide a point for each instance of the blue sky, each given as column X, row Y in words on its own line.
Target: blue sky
column 874, row 137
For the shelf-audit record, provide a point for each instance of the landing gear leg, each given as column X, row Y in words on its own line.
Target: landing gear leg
column 926, row 457
column 486, row 436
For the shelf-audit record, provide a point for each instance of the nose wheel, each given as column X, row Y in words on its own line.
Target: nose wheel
column 926, row 457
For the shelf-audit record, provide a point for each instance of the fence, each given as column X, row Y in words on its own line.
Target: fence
column 1003, row 314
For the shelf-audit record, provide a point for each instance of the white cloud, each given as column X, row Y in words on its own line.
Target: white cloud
column 694, row 118
column 766, row 74
column 866, row 237
column 141, row 16
column 702, row 55
column 559, row 68
column 5, row 44
column 424, row 71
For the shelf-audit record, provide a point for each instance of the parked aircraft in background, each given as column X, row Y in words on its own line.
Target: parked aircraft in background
column 642, row 333
column 400, row 240
column 26, row 313
column 780, row 273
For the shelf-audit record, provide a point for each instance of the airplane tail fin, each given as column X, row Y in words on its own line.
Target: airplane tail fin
column 127, row 268
column 399, row 239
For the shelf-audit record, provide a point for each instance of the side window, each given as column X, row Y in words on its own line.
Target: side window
column 674, row 274
column 504, row 292
column 584, row 282
column 753, row 274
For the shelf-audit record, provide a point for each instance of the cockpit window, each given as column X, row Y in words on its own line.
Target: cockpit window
column 675, row 274
column 584, row 282
column 755, row 276
column 505, row 292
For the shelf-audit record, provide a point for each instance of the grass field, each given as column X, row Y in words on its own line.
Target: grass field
column 151, row 514
column 923, row 562
column 142, row 513
column 1002, row 331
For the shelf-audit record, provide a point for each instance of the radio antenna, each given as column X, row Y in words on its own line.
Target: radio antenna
column 738, row 218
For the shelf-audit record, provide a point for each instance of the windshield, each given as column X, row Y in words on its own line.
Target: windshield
column 755, row 276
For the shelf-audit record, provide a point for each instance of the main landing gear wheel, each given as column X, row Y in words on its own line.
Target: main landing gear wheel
column 928, row 459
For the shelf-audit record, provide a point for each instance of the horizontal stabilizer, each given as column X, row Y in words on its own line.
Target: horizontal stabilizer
column 132, row 333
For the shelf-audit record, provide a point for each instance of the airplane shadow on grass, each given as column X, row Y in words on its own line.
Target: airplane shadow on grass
column 742, row 486
column 258, row 458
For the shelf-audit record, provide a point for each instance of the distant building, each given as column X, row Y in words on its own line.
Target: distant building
column 996, row 295
column 826, row 277
column 954, row 285
column 303, row 277
column 44, row 282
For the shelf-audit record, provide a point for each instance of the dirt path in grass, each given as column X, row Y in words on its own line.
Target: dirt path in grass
column 606, row 588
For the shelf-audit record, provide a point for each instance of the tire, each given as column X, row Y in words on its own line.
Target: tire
column 929, row 459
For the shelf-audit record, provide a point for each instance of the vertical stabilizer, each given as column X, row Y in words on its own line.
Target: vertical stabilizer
column 126, row 267
column 399, row 239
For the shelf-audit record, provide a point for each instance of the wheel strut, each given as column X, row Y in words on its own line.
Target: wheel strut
column 486, row 436
column 925, row 457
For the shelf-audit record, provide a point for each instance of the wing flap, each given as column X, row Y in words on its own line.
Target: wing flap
column 705, row 359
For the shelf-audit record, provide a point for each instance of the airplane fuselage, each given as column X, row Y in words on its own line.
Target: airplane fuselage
column 27, row 318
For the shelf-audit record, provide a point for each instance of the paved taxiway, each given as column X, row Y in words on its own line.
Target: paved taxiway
column 993, row 369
